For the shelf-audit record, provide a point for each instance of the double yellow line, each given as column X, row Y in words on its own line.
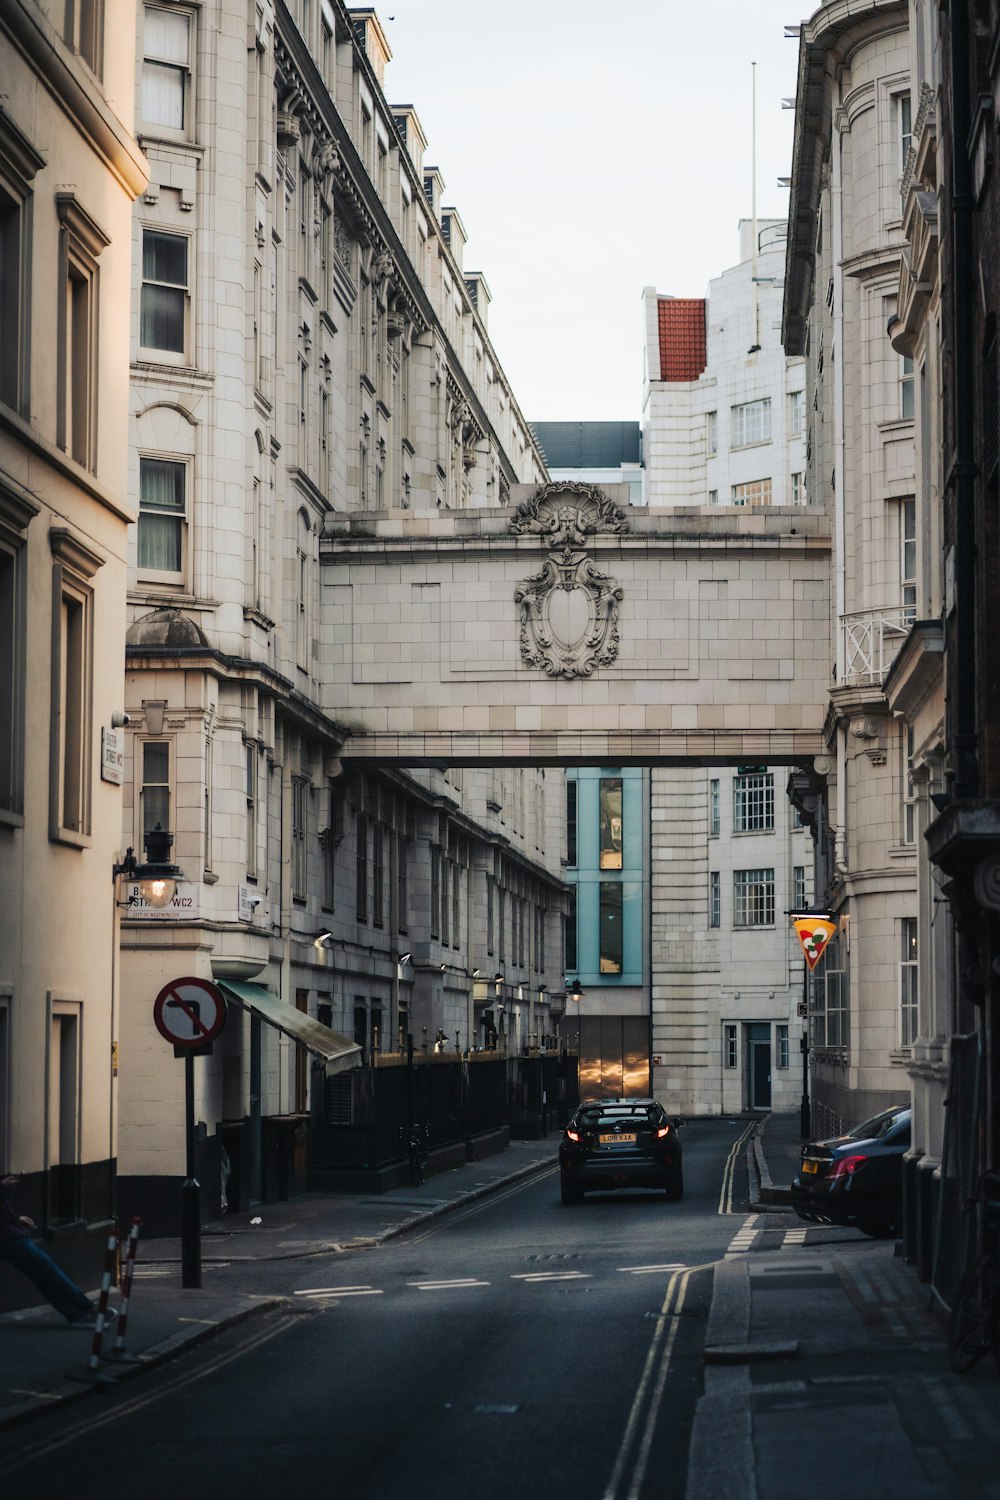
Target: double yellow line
column 632, row 1460
column 729, row 1171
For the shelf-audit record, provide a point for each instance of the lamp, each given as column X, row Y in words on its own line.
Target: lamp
column 323, row 939
column 157, row 878
column 574, row 991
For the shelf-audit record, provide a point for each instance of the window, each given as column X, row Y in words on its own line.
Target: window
column 569, row 938
column 796, row 413
column 909, row 820
column 752, row 423
column 81, row 241
column 908, row 558
column 250, row 768
column 15, row 515
column 611, row 958
column 72, row 688
column 753, row 898
column 713, row 808
column 403, row 878
column 456, row 906
column 714, row 899
column 84, row 31
column 166, row 68
column 798, row 888
column 904, row 128
column 162, row 515
column 829, row 1001
column 730, row 1043
column 443, row 898
column 610, row 820
column 836, row 1009
column 781, row 1037
column 908, row 975
column 378, row 875
column 713, row 497
column 436, row 891
column 15, row 266
column 906, row 404
column 163, row 301
column 755, row 492
column 712, row 431
column 299, row 793
column 154, row 791
column 64, row 1098
column 361, row 866
column 799, row 496
column 209, row 816
column 753, row 803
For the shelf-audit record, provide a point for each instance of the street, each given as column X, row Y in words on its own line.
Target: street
column 514, row 1348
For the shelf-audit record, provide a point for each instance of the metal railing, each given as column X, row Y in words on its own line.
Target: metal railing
column 871, row 640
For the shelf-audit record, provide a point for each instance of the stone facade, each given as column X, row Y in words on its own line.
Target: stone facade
column 308, row 354
column 854, row 110
column 70, row 170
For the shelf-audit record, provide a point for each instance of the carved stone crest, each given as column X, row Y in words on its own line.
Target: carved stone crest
column 569, row 610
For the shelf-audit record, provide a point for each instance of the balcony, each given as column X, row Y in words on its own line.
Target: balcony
column 871, row 639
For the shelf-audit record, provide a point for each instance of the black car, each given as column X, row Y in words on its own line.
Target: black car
column 856, row 1179
column 620, row 1143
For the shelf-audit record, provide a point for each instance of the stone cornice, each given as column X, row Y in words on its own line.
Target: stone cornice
column 62, row 75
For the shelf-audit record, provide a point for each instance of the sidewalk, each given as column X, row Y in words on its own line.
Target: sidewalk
column 826, row 1368
column 43, row 1362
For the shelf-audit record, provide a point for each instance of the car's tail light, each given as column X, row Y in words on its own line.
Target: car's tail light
column 663, row 1130
column 573, row 1135
column 846, row 1167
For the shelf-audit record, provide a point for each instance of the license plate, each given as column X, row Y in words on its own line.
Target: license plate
column 809, row 1167
column 622, row 1138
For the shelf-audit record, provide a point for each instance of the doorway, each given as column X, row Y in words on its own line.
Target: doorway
column 759, row 1045
column 614, row 1057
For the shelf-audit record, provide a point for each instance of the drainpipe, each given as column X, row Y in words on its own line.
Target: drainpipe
column 966, row 771
column 839, row 499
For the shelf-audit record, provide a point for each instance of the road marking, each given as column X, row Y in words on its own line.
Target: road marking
column 649, row 1393
column 551, row 1276
column 445, row 1224
column 729, row 1171
column 339, row 1291
column 795, row 1237
column 744, row 1237
column 445, row 1286
column 677, row 1265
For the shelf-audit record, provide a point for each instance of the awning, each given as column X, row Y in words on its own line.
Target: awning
column 338, row 1052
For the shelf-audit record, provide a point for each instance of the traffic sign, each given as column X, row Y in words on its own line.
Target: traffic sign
column 189, row 1012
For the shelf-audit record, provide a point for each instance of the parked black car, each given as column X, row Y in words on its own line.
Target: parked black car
column 620, row 1143
column 856, row 1179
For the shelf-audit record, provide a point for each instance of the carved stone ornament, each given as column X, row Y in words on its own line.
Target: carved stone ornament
column 569, row 611
column 986, row 883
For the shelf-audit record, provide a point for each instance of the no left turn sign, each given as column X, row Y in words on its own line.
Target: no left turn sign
column 189, row 1012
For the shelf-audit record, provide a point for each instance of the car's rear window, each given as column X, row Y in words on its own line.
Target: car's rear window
column 644, row 1114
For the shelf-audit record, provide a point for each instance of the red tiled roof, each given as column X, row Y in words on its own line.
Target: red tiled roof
column 682, row 337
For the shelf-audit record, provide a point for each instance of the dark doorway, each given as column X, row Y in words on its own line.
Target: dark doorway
column 760, row 1072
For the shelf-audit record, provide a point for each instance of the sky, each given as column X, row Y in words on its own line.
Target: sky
column 592, row 150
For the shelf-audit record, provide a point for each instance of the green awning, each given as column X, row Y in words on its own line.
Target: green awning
column 337, row 1052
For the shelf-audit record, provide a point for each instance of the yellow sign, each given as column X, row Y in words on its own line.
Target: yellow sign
column 814, row 932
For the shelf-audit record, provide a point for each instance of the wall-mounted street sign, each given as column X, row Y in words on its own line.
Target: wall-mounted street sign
column 189, row 1012
column 814, row 933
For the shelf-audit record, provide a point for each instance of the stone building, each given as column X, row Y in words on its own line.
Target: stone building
column 866, row 798
column 724, row 426
column 70, row 170
column 307, row 345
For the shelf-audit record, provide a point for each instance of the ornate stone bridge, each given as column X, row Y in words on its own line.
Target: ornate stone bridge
column 572, row 628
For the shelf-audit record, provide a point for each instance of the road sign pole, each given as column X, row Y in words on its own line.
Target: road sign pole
column 190, row 1191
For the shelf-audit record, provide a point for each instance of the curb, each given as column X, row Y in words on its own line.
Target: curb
column 765, row 1195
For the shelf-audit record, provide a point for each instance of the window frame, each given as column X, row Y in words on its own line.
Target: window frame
column 71, row 703
column 715, row 898
column 909, row 981
column 753, row 894
column 755, row 415
column 753, row 803
column 81, row 241
column 147, row 126
column 16, row 514
column 19, row 164
column 155, row 353
column 752, row 493
column 167, row 576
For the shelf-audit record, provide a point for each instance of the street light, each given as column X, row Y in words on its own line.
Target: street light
column 157, row 878
column 574, row 991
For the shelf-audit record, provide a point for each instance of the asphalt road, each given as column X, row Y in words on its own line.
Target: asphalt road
column 516, row 1348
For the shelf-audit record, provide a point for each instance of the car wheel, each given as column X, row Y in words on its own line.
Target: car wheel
column 881, row 1229
column 675, row 1190
column 569, row 1192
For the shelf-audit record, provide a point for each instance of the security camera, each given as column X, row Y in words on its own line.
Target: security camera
column 120, row 719
column 254, row 902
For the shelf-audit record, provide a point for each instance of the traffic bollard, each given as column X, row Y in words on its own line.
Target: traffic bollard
column 118, row 1352
column 110, row 1252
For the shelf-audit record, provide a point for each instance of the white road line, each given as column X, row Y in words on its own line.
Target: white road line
column 445, row 1286
column 339, row 1291
column 794, row 1237
column 726, row 1190
column 677, row 1265
column 552, row 1276
column 744, row 1237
